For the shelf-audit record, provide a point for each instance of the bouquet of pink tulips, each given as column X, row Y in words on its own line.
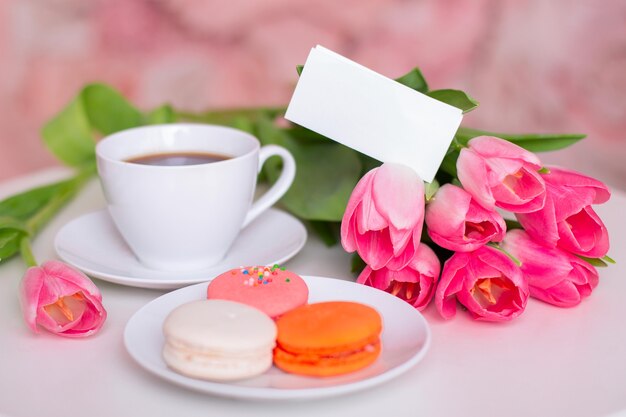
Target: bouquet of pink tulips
column 490, row 265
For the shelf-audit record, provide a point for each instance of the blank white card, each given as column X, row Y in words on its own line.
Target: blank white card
column 373, row 114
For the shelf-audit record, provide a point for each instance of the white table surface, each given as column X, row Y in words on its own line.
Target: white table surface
column 548, row 362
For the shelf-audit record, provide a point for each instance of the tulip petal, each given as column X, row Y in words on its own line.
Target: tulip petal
column 30, row 288
column 375, row 248
column 564, row 294
column 348, row 225
column 358, row 194
column 398, row 193
column 541, row 225
column 368, row 217
column 561, row 177
column 427, row 292
column 492, row 147
column 472, row 173
column 554, row 276
column 447, row 211
column 569, row 200
column 78, row 279
column 584, row 234
column 521, row 192
column 414, row 283
column 426, row 262
column 90, row 322
column 544, row 267
column 496, row 259
column 584, row 273
column 372, row 279
column 403, row 258
column 400, row 238
column 456, row 222
column 54, row 288
column 451, row 283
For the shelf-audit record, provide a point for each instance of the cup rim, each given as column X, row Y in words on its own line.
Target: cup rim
column 101, row 143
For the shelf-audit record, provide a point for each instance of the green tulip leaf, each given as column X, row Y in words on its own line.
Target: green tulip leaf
column 608, row 259
column 597, row 262
column 430, row 189
column 456, row 98
column 161, row 115
column 98, row 107
column 415, row 80
column 108, row 110
column 326, row 174
column 12, row 223
column 24, row 205
column 9, row 243
column 512, row 224
column 531, row 142
column 448, row 165
column 69, row 136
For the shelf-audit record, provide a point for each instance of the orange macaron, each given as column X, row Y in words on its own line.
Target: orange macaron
column 329, row 338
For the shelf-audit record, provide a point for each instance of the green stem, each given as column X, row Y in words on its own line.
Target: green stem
column 27, row 252
column 466, row 133
column 501, row 249
column 456, row 145
column 512, row 224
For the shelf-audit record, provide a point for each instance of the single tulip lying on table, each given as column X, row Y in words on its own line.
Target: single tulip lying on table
column 61, row 300
column 462, row 254
column 53, row 296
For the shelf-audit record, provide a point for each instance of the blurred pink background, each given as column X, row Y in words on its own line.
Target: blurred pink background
column 534, row 65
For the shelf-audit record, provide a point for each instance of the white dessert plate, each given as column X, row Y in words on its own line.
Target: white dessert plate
column 405, row 340
column 92, row 244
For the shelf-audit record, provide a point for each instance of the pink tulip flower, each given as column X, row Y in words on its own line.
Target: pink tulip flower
column 384, row 217
column 554, row 276
column 61, row 300
column 487, row 282
column 415, row 283
column 499, row 173
column 457, row 222
column 567, row 219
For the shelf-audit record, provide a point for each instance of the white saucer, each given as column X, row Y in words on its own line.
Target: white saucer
column 92, row 244
column 405, row 341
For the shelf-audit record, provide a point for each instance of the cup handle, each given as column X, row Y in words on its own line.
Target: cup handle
column 280, row 187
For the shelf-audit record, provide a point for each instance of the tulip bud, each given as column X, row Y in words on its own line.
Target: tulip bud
column 384, row 216
column 61, row 300
column 554, row 276
column 455, row 221
column 567, row 219
column 499, row 173
column 487, row 282
column 415, row 283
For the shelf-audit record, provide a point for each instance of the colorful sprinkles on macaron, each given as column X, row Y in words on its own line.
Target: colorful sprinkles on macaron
column 263, row 274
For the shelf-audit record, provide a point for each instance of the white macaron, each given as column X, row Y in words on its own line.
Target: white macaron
column 218, row 340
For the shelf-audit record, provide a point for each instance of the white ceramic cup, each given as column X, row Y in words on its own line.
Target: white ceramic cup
column 185, row 217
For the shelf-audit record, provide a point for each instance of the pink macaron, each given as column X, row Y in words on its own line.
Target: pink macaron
column 271, row 289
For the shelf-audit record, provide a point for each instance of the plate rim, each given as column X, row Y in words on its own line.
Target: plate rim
column 168, row 284
column 277, row 394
